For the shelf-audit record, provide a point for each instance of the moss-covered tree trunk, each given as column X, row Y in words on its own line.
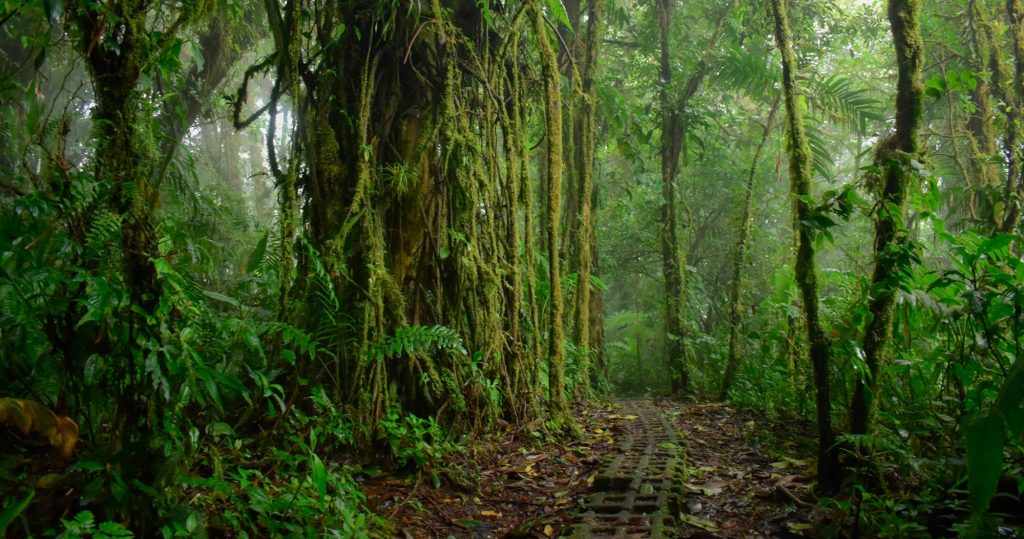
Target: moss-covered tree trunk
column 585, row 148
column 736, row 287
column 829, row 472
column 1013, row 187
column 980, row 126
column 557, row 408
column 671, row 146
column 890, row 249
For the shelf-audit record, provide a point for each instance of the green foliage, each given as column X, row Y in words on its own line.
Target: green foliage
column 412, row 440
column 84, row 526
column 410, row 340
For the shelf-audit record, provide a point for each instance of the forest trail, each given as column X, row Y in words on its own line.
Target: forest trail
column 746, row 476
column 695, row 470
column 643, row 468
column 637, row 486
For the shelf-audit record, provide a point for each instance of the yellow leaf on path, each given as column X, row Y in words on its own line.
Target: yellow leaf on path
column 698, row 522
column 598, row 431
column 630, row 417
column 548, row 530
column 799, row 528
column 796, row 462
column 489, row 513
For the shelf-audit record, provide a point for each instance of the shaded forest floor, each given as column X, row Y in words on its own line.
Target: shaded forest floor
column 745, row 477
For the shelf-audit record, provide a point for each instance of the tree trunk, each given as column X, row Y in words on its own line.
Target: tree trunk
column 741, row 245
column 829, row 472
column 671, row 145
column 1013, row 191
column 890, row 241
column 980, row 129
column 557, row 408
column 586, row 146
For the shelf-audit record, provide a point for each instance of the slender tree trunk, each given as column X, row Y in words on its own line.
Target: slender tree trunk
column 671, row 146
column 586, row 146
column 829, row 472
column 741, row 245
column 897, row 176
column 557, row 408
column 1013, row 191
column 980, row 129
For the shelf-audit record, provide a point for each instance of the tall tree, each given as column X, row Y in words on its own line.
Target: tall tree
column 895, row 158
column 671, row 146
column 1013, row 188
column 584, row 161
column 805, row 267
column 736, row 287
column 557, row 407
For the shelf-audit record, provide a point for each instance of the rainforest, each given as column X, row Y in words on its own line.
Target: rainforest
column 511, row 268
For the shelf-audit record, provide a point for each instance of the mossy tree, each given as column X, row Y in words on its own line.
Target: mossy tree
column 805, row 266
column 892, row 249
column 121, row 43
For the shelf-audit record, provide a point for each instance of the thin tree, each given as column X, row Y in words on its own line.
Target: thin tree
column 829, row 473
column 585, row 169
column 897, row 174
column 557, row 408
column 736, row 287
column 671, row 146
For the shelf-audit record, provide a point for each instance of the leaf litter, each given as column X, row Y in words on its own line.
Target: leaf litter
column 743, row 474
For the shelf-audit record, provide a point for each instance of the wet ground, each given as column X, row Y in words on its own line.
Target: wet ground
column 641, row 468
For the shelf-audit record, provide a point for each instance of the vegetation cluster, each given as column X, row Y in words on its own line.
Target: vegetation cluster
column 251, row 253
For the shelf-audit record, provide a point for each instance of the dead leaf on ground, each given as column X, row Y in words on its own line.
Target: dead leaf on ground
column 698, row 522
column 708, row 489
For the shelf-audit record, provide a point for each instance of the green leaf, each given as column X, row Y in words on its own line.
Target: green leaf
column 558, row 10
column 984, row 459
column 319, row 473
column 221, row 297
column 10, row 513
column 256, row 257
column 995, row 243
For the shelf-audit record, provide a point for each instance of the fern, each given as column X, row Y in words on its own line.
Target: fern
column 104, row 231
column 417, row 339
column 838, row 101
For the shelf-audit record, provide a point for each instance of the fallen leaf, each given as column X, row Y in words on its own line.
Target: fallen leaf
column 698, row 522
column 796, row 462
column 489, row 513
column 548, row 530
column 710, row 489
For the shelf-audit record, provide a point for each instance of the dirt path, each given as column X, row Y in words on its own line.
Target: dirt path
column 637, row 488
column 747, row 477
column 697, row 471
column 643, row 468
